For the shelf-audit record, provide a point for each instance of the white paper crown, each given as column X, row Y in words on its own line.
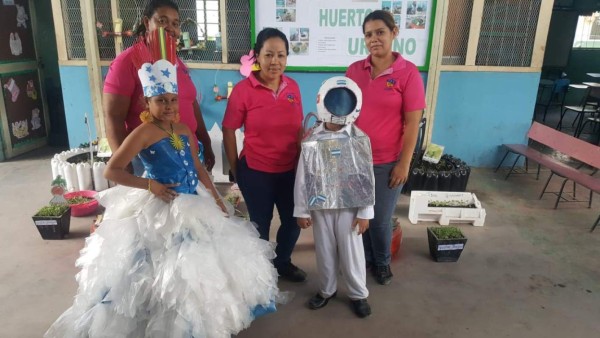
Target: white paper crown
column 158, row 78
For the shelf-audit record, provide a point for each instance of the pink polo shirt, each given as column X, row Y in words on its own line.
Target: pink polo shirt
column 385, row 100
column 122, row 79
column 271, row 123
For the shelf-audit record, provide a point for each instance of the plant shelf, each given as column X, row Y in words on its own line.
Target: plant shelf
column 420, row 210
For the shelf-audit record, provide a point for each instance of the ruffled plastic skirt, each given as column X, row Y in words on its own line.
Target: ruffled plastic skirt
column 179, row 269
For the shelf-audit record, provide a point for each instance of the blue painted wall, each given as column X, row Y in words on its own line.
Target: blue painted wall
column 77, row 101
column 479, row 111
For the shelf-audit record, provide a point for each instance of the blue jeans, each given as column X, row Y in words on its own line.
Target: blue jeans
column 262, row 191
column 378, row 238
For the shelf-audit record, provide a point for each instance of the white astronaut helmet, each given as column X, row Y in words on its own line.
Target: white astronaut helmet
column 339, row 101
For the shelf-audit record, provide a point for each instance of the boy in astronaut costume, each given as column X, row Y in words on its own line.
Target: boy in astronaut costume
column 334, row 191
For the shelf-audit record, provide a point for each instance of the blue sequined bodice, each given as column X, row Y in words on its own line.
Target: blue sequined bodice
column 165, row 164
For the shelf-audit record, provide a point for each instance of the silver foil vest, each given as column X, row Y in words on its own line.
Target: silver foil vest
column 338, row 169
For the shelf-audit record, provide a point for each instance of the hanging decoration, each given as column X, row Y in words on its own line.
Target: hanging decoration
column 22, row 16
column 12, row 87
column 16, row 48
column 20, row 129
column 105, row 33
column 31, row 92
column 36, row 121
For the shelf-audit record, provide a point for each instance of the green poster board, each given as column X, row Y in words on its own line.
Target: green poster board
column 327, row 35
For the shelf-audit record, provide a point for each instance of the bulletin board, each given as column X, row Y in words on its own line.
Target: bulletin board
column 327, row 35
column 24, row 107
column 16, row 34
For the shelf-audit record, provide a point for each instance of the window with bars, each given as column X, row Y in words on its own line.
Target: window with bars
column 507, row 33
column 587, row 34
column 202, row 40
column 458, row 23
column 505, row 38
column 71, row 12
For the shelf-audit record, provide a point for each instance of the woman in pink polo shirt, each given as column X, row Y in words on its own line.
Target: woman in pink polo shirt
column 268, row 105
column 123, row 99
column 393, row 103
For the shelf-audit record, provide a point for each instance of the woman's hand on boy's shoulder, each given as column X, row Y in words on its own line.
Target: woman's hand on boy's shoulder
column 304, row 223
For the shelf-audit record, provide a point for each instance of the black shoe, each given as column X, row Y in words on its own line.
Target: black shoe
column 292, row 273
column 383, row 274
column 361, row 308
column 319, row 301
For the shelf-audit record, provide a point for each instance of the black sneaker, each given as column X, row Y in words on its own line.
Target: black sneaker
column 361, row 307
column 383, row 274
column 292, row 273
column 318, row 301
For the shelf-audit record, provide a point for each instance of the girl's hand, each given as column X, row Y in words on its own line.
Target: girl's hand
column 304, row 223
column 398, row 175
column 360, row 225
column 221, row 204
column 162, row 191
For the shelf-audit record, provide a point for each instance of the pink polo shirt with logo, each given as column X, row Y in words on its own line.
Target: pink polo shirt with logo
column 271, row 122
column 385, row 101
column 122, row 79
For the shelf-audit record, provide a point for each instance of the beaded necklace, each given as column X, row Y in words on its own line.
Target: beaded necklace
column 175, row 139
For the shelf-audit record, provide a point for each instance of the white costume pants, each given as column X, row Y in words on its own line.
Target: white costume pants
column 339, row 248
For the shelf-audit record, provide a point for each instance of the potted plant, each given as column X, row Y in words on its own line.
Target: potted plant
column 446, row 243
column 53, row 220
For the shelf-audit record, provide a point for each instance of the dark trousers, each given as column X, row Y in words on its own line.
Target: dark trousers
column 262, row 191
column 378, row 238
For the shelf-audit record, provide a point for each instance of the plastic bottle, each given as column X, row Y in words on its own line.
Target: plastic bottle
column 218, row 42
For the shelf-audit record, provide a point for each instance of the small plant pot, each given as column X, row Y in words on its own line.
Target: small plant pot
column 83, row 209
column 53, row 227
column 444, row 250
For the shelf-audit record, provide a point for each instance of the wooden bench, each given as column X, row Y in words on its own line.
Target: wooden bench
column 584, row 152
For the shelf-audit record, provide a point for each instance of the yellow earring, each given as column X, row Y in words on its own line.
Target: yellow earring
column 145, row 116
column 255, row 67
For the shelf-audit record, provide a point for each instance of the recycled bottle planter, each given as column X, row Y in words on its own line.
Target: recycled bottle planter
column 53, row 227
column 445, row 249
column 74, row 165
column 450, row 174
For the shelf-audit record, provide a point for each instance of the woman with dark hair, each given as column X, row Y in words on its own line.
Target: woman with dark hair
column 123, row 99
column 268, row 105
column 393, row 104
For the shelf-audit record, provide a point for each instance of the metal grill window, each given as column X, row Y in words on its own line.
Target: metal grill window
column 507, row 33
column 458, row 24
column 587, row 34
column 200, row 21
column 71, row 12
column 238, row 29
column 104, row 25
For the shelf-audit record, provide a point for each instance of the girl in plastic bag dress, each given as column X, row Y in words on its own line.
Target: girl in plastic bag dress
column 167, row 261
